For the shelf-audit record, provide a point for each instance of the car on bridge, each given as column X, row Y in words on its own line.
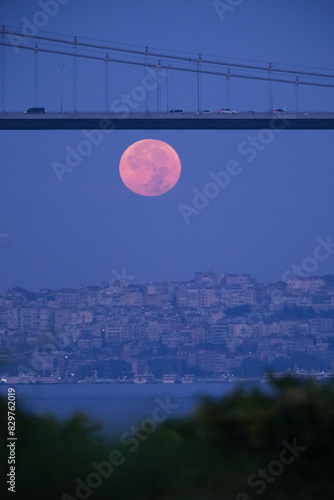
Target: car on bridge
column 280, row 111
column 35, row 111
column 227, row 111
column 176, row 111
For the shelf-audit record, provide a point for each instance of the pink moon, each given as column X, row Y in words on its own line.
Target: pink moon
column 150, row 167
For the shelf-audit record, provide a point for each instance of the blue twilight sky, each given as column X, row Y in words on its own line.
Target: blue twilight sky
column 77, row 231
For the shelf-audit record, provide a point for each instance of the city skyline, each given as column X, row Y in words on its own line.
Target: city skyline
column 214, row 327
column 123, row 274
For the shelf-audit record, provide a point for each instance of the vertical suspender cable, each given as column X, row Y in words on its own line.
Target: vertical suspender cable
column 61, row 86
column 228, row 89
column 167, row 104
column 106, row 82
column 36, row 74
column 75, row 74
column 199, row 83
column 297, row 93
column 270, row 89
column 3, row 69
column 158, row 86
column 145, row 80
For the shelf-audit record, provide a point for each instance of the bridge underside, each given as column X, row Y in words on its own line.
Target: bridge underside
column 192, row 121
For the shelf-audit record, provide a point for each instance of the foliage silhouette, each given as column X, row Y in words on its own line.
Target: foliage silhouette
column 211, row 455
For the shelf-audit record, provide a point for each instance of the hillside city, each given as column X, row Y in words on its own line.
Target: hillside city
column 215, row 327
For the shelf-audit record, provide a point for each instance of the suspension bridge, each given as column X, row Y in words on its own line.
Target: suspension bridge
column 157, row 65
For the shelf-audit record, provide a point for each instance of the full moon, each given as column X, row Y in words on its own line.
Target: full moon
column 150, row 167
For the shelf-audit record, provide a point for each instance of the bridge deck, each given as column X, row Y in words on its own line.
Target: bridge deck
column 166, row 121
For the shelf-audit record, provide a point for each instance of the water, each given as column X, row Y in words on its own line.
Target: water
column 116, row 406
